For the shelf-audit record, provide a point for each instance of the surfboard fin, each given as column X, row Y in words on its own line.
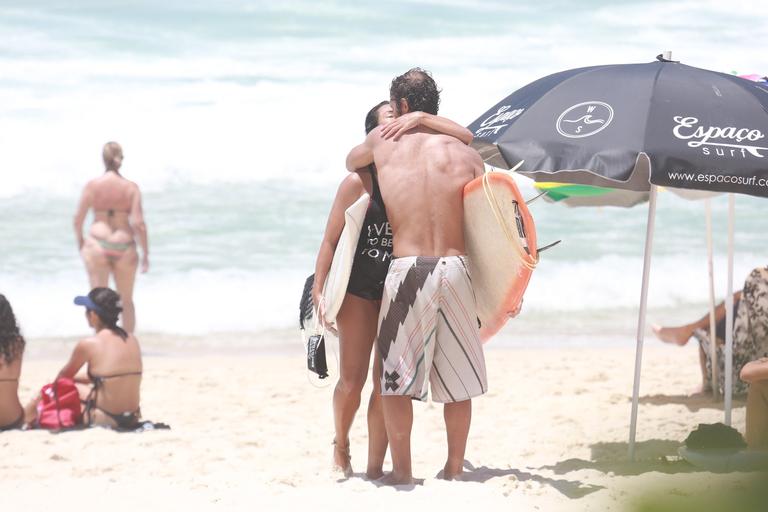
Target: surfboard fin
column 540, row 249
column 535, row 198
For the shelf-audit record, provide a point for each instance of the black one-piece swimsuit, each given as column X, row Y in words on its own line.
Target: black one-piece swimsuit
column 374, row 248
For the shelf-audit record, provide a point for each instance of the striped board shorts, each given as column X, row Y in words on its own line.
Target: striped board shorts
column 428, row 331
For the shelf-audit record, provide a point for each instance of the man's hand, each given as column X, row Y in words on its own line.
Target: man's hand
column 399, row 125
column 144, row 264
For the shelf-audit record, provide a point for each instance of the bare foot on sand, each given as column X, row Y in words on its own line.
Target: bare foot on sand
column 342, row 460
column 702, row 392
column 450, row 474
column 393, row 479
column 374, row 473
column 677, row 335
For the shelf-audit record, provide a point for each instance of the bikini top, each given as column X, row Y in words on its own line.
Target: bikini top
column 122, row 420
column 98, row 380
column 111, row 211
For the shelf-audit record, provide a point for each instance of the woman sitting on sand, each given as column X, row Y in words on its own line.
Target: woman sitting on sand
column 755, row 373
column 357, row 319
column 11, row 351
column 111, row 383
column 110, row 246
column 750, row 331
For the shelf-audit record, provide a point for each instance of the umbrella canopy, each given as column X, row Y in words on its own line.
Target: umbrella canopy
column 575, row 195
column 626, row 126
column 634, row 127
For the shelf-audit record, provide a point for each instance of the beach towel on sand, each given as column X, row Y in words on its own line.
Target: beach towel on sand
column 141, row 426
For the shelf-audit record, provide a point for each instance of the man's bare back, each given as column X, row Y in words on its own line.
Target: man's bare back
column 422, row 177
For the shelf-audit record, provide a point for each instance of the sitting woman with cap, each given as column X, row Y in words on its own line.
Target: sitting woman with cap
column 111, row 383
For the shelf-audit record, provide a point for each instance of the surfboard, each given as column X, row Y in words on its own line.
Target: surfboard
column 335, row 286
column 500, row 239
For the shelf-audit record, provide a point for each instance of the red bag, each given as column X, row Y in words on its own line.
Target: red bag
column 59, row 406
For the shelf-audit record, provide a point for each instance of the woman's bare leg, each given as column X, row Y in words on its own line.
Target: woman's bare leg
column 30, row 411
column 356, row 334
column 678, row 335
column 96, row 264
column 124, row 270
column 757, row 415
column 377, row 432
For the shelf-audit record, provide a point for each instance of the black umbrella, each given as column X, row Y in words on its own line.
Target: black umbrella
column 633, row 127
column 626, row 126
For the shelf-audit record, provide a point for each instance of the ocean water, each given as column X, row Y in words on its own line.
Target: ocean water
column 236, row 116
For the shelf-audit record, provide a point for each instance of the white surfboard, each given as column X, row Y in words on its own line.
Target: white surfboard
column 500, row 239
column 335, row 286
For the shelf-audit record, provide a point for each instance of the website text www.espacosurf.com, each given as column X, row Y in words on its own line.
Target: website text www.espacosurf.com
column 702, row 177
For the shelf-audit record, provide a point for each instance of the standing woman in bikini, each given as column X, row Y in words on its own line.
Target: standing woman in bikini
column 118, row 220
column 11, row 351
column 357, row 319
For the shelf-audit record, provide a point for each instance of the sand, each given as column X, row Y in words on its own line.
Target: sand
column 249, row 431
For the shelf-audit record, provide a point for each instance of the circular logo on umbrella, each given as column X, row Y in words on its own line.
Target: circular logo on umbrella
column 584, row 119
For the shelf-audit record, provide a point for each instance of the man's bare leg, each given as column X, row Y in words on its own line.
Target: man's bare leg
column 377, row 432
column 458, row 416
column 398, row 418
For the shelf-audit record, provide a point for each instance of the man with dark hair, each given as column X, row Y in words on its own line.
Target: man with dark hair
column 419, row 90
column 428, row 332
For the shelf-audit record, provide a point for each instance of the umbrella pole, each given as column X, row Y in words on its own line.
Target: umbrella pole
column 715, row 377
column 641, row 318
column 728, row 392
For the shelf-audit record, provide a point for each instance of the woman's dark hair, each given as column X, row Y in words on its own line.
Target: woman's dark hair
column 11, row 341
column 418, row 88
column 372, row 117
column 110, row 307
